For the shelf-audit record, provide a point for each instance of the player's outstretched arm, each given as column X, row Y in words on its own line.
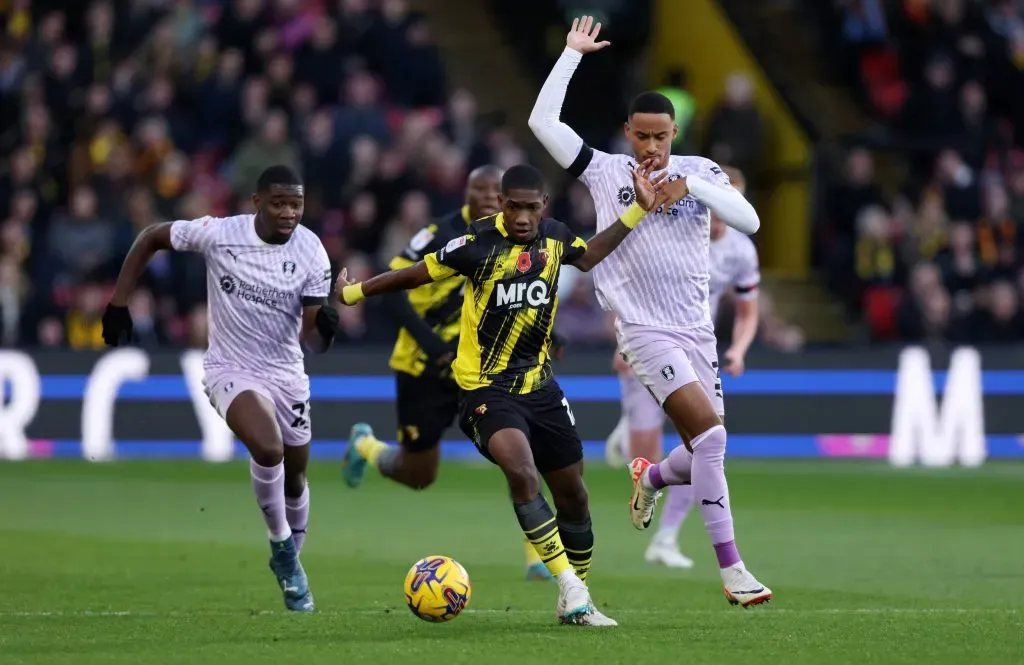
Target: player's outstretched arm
column 605, row 242
column 350, row 293
column 118, row 328
column 152, row 239
column 558, row 138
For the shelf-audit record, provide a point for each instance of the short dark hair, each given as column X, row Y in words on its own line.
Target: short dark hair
column 523, row 176
column 278, row 174
column 651, row 102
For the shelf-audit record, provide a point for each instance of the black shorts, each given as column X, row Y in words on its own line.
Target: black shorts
column 427, row 406
column 543, row 416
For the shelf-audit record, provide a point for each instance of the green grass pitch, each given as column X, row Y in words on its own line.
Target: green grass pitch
column 165, row 563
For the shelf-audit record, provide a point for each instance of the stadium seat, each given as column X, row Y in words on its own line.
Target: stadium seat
column 879, row 304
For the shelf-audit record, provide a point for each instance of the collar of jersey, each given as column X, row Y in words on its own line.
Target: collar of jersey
column 465, row 215
column 499, row 223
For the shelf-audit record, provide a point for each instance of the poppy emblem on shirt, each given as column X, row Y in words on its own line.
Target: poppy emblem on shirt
column 523, row 263
column 626, row 196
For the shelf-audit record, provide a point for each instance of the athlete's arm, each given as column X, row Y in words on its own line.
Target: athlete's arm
column 350, row 293
column 607, row 240
column 732, row 207
column 558, row 138
column 744, row 330
column 319, row 315
column 152, row 239
column 402, row 311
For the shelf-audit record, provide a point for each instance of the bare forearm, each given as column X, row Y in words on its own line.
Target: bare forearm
column 744, row 327
column 388, row 282
column 605, row 242
column 397, row 280
column 148, row 243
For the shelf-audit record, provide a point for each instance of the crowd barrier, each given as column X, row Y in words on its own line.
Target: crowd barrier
column 909, row 406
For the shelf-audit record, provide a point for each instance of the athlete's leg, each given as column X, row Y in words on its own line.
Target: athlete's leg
column 647, row 420
column 249, row 412
column 425, row 408
column 687, row 383
column 296, row 491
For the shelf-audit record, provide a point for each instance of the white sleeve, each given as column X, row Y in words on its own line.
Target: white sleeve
column 725, row 200
column 557, row 137
column 194, row 235
column 748, row 271
column 318, row 281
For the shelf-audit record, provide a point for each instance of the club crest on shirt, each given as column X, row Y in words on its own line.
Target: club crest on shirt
column 626, row 196
column 544, row 256
column 288, row 267
column 523, row 262
column 668, row 373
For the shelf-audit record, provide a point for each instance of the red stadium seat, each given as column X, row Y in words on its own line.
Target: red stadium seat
column 879, row 304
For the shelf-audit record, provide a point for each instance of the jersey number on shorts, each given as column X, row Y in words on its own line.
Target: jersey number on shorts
column 300, row 409
column 572, row 418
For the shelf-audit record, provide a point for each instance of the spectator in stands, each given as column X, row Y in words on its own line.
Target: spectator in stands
column 736, row 132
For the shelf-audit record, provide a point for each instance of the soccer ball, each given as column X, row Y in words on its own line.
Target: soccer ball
column 437, row 588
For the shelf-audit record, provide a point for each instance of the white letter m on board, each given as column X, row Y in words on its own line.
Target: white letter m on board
column 934, row 434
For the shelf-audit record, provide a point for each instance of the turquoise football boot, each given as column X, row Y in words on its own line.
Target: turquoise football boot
column 284, row 563
column 353, row 467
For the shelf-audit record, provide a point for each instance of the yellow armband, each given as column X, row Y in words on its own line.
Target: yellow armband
column 352, row 294
column 632, row 216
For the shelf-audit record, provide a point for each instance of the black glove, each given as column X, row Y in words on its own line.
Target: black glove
column 118, row 329
column 327, row 322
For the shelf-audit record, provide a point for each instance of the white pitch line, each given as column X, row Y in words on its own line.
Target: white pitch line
column 634, row 612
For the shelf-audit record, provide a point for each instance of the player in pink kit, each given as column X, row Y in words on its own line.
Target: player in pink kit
column 657, row 286
column 268, row 281
column 734, row 265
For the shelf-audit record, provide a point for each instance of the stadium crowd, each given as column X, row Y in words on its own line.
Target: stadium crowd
column 118, row 114
column 940, row 256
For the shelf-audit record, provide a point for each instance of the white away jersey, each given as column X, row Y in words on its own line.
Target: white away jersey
column 733, row 264
column 256, row 292
column 659, row 275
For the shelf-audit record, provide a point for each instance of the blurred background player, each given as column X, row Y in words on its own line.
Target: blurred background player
column 657, row 287
column 427, row 400
column 734, row 265
column 268, row 280
column 512, row 406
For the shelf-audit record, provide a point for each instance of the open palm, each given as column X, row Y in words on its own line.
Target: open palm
column 583, row 36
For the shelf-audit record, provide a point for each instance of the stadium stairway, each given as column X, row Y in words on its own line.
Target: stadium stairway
column 790, row 52
column 478, row 59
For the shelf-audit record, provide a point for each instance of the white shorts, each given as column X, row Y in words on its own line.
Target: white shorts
column 666, row 360
column 290, row 400
column 638, row 405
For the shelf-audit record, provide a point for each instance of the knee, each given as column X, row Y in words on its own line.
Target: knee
column 573, row 503
column 294, row 483
column 267, row 450
column 522, row 481
column 423, row 477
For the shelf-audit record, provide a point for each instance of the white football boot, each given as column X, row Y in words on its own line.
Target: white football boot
column 741, row 588
column 575, row 606
column 664, row 550
column 617, row 442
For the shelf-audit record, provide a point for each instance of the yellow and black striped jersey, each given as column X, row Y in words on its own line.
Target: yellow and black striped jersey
column 510, row 301
column 438, row 303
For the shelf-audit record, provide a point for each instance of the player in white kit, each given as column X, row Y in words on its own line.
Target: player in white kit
column 734, row 265
column 657, row 286
column 268, row 281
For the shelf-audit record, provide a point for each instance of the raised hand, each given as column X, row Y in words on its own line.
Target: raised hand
column 584, row 39
column 646, row 189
